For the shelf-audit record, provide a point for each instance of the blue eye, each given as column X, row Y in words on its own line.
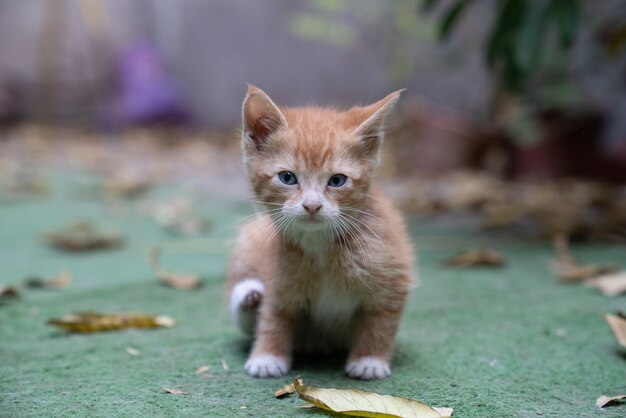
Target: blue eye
column 288, row 178
column 337, row 180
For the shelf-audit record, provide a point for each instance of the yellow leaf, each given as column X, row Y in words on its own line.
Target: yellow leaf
column 285, row 390
column 96, row 322
column 361, row 403
column 618, row 326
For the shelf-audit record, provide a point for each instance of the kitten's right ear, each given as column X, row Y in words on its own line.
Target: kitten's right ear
column 261, row 117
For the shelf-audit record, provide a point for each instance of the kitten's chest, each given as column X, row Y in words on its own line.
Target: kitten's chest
column 331, row 306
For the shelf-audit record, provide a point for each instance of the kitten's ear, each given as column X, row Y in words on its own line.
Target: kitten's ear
column 261, row 117
column 371, row 123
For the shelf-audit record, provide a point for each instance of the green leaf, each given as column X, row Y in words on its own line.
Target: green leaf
column 530, row 39
column 566, row 14
column 451, row 17
column 506, row 26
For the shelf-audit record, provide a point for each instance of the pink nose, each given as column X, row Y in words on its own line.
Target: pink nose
column 312, row 208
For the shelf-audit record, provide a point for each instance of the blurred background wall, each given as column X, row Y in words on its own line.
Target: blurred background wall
column 86, row 61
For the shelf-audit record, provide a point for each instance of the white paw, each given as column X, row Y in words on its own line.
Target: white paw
column 244, row 303
column 368, row 368
column 266, row 366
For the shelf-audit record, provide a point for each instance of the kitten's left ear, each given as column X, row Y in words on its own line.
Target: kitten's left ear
column 370, row 130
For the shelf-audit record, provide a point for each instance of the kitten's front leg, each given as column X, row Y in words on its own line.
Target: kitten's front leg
column 272, row 350
column 371, row 351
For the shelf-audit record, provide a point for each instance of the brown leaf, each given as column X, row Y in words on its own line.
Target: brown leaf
column 604, row 400
column 61, row 281
column 285, row 390
column 175, row 280
column 476, row 258
column 567, row 268
column 359, row 402
column 618, row 326
column 612, row 284
column 126, row 185
column 82, row 236
column 174, row 391
column 85, row 322
column 8, row 293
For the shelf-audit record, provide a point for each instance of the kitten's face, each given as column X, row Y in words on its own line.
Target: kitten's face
column 310, row 166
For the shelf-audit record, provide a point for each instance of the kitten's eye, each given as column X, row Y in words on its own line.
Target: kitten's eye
column 337, row 180
column 288, row 178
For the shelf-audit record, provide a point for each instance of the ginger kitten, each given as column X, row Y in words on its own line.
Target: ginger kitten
column 327, row 265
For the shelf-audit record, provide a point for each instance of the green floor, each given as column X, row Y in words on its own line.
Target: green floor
column 489, row 343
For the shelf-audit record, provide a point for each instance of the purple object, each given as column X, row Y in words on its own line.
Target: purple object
column 146, row 94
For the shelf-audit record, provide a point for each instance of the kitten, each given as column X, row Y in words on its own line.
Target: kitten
column 327, row 265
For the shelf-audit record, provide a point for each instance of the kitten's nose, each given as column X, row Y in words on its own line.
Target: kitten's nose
column 312, row 207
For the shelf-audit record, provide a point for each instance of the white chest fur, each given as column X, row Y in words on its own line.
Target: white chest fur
column 332, row 307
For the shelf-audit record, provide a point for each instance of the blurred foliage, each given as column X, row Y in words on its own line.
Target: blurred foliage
column 524, row 37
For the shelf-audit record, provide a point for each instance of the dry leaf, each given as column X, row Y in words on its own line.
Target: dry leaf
column 126, row 185
column 307, row 406
column 618, row 326
column 476, row 258
column 95, row 322
column 224, row 364
column 61, row 281
column 202, row 369
column 8, row 292
column 82, row 236
column 604, row 400
column 132, row 351
column 568, row 269
column 174, row 391
column 285, row 390
column 613, row 284
column 357, row 402
column 175, row 280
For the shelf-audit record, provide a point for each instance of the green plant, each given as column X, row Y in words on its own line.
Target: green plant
column 524, row 36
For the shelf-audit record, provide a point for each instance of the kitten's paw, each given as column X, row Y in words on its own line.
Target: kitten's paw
column 266, row 365
column 368, row 368
column 251, row 301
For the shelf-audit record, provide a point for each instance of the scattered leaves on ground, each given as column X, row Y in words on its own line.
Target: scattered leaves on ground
column 567, row 268
column 285, row 390
column 175, row 280
column 604, row 400
column 174, row 391
column 82, row 236
column 8, row 293
column 84, row 322
column 61, row 281
column 177, row 217
column 202, row 369
column 476, row 258
column 618, row 326
column 357, row 402
column 612, row 284
column 132, row 351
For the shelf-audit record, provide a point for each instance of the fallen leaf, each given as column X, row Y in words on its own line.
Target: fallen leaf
column 202, row 369
column 612, row 284
column 307, row 406
column 285, row 390
column 224, row 364
column 567, row 268
column 84, row 322
column 8, row 293
column 604, row 400
column 175, row 280
column 358, row 402
column 132, row 351
column 61, row 281
column 82, row 236
column 126, row 185
column 476, row 258
column 618, row 326
column 174, row 391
